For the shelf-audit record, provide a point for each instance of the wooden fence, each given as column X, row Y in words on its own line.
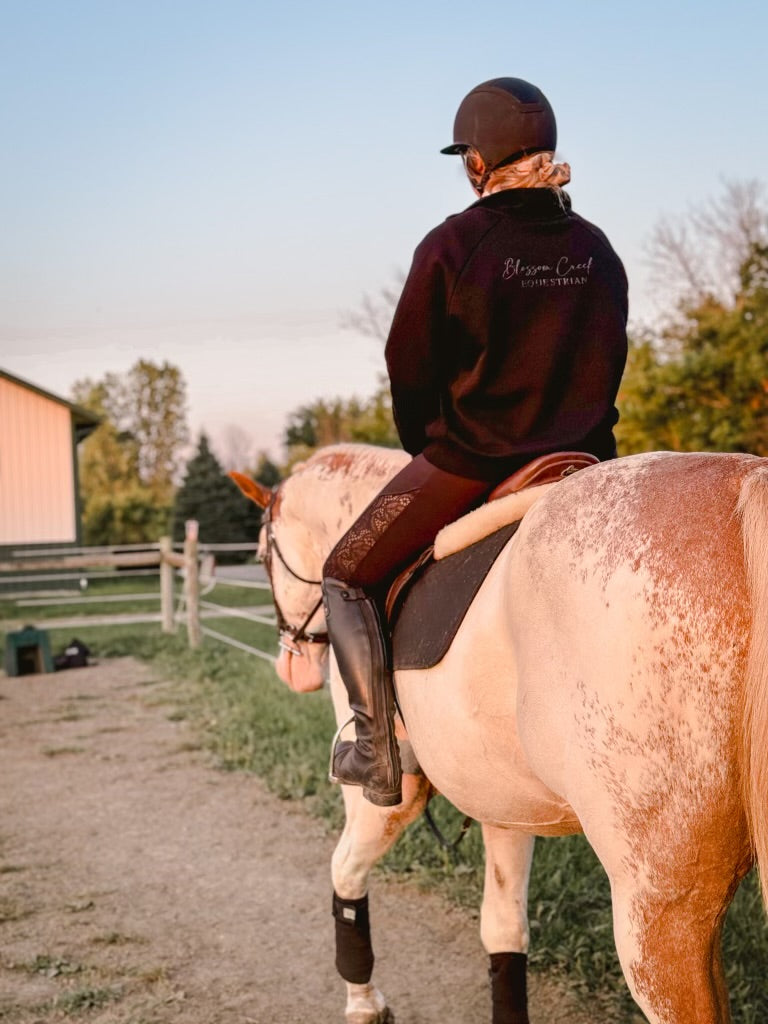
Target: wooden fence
column 161, row 556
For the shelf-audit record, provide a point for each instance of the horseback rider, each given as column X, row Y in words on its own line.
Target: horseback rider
column 508, row 342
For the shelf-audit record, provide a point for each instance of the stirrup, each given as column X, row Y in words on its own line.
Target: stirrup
column 334, row 743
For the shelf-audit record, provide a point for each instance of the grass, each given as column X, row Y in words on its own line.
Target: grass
column 251, row 722
column 120, row 592
column 83, row 999
column 52, row 967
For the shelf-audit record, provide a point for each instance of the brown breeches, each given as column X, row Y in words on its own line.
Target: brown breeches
column 401, row 521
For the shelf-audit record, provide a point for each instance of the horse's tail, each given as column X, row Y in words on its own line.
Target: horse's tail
column 753, row 510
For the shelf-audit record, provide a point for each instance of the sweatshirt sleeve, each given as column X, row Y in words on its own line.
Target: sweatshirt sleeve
column 413, row 349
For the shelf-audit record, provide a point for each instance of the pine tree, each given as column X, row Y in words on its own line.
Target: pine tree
column 209, row 496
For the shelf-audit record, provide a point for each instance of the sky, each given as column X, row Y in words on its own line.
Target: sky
column 219, row 184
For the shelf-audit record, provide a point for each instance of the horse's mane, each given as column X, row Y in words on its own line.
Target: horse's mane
column 353, row 462
column 333, row 485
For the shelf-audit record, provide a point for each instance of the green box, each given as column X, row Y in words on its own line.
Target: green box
column 27, row 652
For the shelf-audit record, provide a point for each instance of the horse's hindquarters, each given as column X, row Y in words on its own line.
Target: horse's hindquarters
column 634, row 713
column 631, row 632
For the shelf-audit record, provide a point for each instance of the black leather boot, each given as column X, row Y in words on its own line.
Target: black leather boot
column 373, row 760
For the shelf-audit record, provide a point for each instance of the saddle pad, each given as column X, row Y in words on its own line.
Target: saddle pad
column 437, row 600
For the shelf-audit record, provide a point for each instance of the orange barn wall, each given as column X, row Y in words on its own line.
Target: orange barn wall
column 37, row 472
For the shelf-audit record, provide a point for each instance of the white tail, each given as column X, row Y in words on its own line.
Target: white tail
column 753, row 510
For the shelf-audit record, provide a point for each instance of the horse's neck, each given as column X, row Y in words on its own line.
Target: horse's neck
column 335, row 486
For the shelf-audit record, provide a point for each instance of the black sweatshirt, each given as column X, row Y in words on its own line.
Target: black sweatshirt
column 509, row 339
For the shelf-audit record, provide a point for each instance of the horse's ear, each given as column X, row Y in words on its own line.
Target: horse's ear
column 258, row 493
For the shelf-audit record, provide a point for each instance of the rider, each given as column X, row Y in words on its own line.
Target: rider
column 508, row 342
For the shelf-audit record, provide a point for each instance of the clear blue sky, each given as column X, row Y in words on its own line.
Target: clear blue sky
column 217, row 183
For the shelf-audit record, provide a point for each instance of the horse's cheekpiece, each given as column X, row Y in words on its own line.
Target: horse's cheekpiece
column 435, row 599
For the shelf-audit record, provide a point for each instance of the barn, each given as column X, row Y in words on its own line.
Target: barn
column 39, row 434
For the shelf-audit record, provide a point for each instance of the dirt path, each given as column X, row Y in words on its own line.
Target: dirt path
column 139, row 885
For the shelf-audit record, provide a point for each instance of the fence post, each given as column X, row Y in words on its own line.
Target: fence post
column 192, row 583
column 166, row 586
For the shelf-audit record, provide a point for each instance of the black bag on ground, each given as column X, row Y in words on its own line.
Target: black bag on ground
column 75, row 655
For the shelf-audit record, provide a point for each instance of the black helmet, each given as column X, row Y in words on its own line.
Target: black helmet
column 504, row 119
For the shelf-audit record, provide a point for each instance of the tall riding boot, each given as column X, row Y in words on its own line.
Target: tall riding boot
column 373, row 760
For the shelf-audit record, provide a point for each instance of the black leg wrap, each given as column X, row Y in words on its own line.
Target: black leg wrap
column 509, row 991
column 354, row 952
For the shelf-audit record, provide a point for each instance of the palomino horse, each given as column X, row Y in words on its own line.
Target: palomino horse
column 370, row 831
column 611, row 676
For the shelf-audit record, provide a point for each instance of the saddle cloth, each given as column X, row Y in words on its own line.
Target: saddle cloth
column 433, row 601
column 428, row 602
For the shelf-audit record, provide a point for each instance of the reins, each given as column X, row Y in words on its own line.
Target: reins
column 289, row 636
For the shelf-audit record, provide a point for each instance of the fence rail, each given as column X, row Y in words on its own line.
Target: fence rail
column 82, row 561
column 193, row 562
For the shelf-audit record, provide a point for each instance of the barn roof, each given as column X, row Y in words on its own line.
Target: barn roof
column 83, row 420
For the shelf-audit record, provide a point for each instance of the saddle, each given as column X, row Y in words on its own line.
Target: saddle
column 427, row 602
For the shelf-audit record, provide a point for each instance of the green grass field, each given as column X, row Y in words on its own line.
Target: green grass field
column 253, row 723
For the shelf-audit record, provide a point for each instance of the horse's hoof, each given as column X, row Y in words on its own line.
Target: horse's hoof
column 366, row 1005
column 384, row 1016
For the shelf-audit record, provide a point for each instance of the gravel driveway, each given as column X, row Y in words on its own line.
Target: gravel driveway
column 141, row 885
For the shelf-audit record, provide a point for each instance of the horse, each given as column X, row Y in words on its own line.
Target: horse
column 304, row 663
column 610, row 677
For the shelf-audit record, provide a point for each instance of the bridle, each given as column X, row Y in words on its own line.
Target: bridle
column 289, row 636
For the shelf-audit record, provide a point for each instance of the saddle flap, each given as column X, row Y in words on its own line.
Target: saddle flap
column 436, row 601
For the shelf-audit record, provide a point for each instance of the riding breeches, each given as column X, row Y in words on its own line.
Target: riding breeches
column 401, row 521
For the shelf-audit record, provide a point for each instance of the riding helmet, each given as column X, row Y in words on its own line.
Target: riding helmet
column 504, row 119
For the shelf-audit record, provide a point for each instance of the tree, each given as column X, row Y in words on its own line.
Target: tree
column 235, row 447
column 373, row 318
column 209, row 496
column 126, row 516
column 145, row 411
column 330, row 421
column 266, row 472
column 701, row 257
column 700, row 383
column 131, row 460
column 154, row 415
column 107, row 459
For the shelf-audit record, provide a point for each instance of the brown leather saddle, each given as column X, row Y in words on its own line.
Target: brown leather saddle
column 547, row 469
column 428, row 600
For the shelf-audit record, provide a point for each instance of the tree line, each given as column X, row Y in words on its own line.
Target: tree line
column 699, row 381
column 134, row 485
column 696, row 381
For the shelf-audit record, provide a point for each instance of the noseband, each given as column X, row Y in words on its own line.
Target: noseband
column 289, row 636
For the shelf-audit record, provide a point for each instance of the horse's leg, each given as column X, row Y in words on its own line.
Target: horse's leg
column 368, row 833
column 668, row 923
column 504, row 920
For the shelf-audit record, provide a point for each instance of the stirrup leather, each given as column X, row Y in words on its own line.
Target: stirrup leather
column 334, row 744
